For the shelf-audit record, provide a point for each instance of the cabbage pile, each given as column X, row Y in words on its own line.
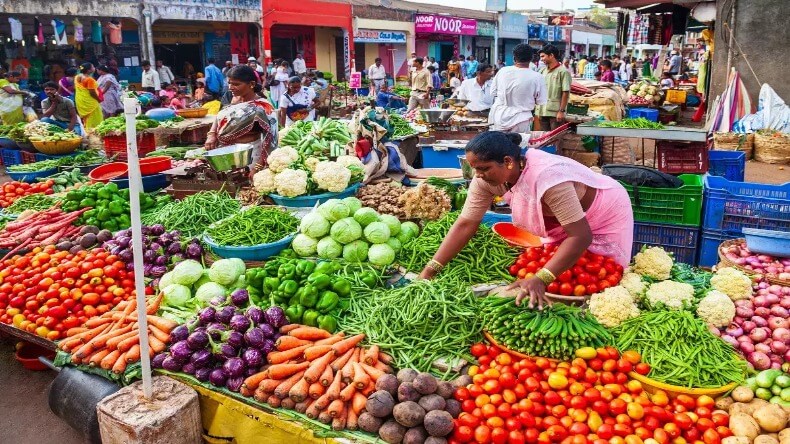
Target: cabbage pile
column 358, row 234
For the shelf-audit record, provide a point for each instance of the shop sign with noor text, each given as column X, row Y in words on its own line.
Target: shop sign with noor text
column 441, row 24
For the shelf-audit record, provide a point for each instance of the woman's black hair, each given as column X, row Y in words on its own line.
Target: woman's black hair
column 295, row 79
column 244, row 73
column 103, row 68
column 85, row 67
column 13, row 74
column 71, row 72
column 494, row 146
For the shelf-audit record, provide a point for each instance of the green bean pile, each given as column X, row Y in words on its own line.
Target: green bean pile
column 554, row 332
column 35, row 166
column 418, row 323
column 33, row 202
column 680, row 349
column 254, row 226
column 400, row 126
column 639, row 123
column 484, row 259
column 195, row 213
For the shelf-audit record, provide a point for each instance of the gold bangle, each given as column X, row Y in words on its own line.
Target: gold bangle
column 545, row 276
column 435, row 265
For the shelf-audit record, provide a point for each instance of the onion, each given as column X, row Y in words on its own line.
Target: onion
column 778, row 347
column 744, row 312
column 762, row 285
column 785, row 301
column 744, row 303
column 734, row 330
column 771, row 270
column 744, row 338
column 748, row 326
column 760, row 360
column 775, row 358
column 762, row 348
column 759, row 334
column 785, row 276
column 760, row 321
column 713, row 329
column 781, row 334
column 747, row 347
column 775, row 289
column 772, row 297
column 762, row 311
column 779, row 311
column 730, row 340
column 760, row 301
column 787, row 356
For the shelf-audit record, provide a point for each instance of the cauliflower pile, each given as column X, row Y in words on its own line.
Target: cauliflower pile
column 291, row 183
column 331, row 176
column 634, row 284
column 643, row 93
column 311, row 163
column 613, row 306
column 290, row 175
column 716, row 309
column 654, row 263
column 282, row 158
column 734, row 283
column 673, row 295
column 264, row 181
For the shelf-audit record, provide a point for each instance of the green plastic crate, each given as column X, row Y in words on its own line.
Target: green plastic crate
column 680, row 206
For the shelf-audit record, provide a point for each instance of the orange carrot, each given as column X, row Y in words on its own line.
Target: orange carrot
column 317, row 351
column 348, row 369
column 325, row 418
column 95, row 322
column 97, row 357
column 155, row 344
column 133, row 354
column 334, row 339
column 352, row 420
column 252, row 382
column 113, row 342
column 299, row 391
column 358, row 403
column 283, row 371
column 373, row 372
column 317, row 367
column 153, row 307
column 281, row 356
column 269, row 385
column 348, row 393
column 75, row 331
column 99, row 341
column 339, row 421
column 302, row 407
column 158, row 334
column 316, row 390
column 244, row 391
column 371, row 355
column 288, row 327
column 282, row 390
column 361, row 379
column 333, row 391
column 84, row 351
column 328, row 376
column 335, row 407
column 260, row 395
column 274, row 401
column 287, row 403
column 385, row 358
column 127, row 344
column 309, row 333
column 348, row 343
column 120, row 364
column 383, row 367
column 109, row 360
column 288, row 342
column 161, row 323
column 312, row 410
column 367, row 391
column 338, row 363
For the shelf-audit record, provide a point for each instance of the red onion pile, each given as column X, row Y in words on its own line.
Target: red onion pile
column 740, row 255
column 761, row 328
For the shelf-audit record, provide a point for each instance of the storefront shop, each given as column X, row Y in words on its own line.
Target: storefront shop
column 390, row 46
column 513, row 29
column 586, row 43
column 483, row 46
column 440, row 36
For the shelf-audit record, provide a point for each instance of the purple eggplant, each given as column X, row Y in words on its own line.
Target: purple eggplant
column 202, row 374
column 126, row 255
column 252, row 357
column 267, row 330
column 179, row 333
column 268, row 346
column 217, row 300
column 150, row 256
column 234, row 384
column 240, row 297
column 127, row 233
column 251, row 371
column 147, row 269
column 256, row 315
column 275, row 316
column 157, row 229
column 158, row 270
column 123, row 241
column 215, row 330
column 161, row 260
column 174, row 248
column 234, row 367
column 239, row 323
column 156, row 247
column 225, row 314
column 171, row 364
column 200, row 358
column 255, row 337
column 165, row 238
column 158, row 359
column 277, row 335
column 218, row 377
column 206, row 316
column 129, row 266
column 189, row 368
column 234, row 338
column 194, row 250
column 181, row 350
column 198, row 340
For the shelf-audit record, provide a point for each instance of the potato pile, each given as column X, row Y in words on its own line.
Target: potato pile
column 412, row 408
column 754, row 420
column 383, row 197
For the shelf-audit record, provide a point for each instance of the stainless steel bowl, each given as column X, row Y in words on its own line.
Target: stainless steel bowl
column 457, row 102
column 230, row 157
column 437, row 115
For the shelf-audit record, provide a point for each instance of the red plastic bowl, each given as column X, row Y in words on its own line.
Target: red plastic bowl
column 27, row 354
column 109, row 171
column 155, row 165
column 516, row 236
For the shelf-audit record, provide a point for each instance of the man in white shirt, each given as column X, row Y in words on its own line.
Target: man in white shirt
column 455, row 82
column 377, row 76
column 150, row 80
column 299, row 65
column 166, row 76
column 434, row 63
column 477, row 90
column 516, row 90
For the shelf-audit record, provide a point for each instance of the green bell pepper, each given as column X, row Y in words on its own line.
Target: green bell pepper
column 369, row 279
column 103, row 215
column 112, row 187
column 87, row 202
column 319, row 280
column 286, row 271
column 255, row 278
column 124, row 221
column 294, row 313
column 460, row 198
column 103, row 193
column 294, row 300
column 115, row 208
column 270, row 284
column 288, row 287
column 327, row 302
column 271, row 268
column 310, row 318
column 110, row 225
column 309, row 296
column 328, row 323
column 341, row 286
column 74, row 196
column 304, row 267
column 324, row 267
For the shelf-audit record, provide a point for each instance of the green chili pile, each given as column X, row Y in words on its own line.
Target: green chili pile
column 417, row 324
column 484, row 259
column 192, row 215
column 254, row 226
column 640, row 123
column 680, row 349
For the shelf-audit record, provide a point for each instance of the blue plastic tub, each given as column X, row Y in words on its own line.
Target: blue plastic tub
column 310, row 201
column 774, row 243
column 709, row 246
column 491, row 218
column 151, row 183
column 647, row 113
column 11, row 157
column 732, row 206
column 31, row 177
column 41, row 156
column 441, row 158
column 253, row 253
column 730, row 165
column 677, row 239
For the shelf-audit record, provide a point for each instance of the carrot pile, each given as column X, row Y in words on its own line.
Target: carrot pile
column 112, row 340
column 326, row 376
column 41, row 228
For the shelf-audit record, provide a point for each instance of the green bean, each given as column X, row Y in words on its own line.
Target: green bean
column 639, row 123
column 255, row 226
column 33, row 202
column 195, row 213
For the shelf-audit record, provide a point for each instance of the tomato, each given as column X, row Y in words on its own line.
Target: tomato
column 642, row 368
column 482, row 434
column 553, row 288
column 683, row 421
column 584, row 278
column 556, row 433
column 463, row 433
column 593, row 269
column 566, row 289
column 516, row 437
column 579, row 290
column 672, row 430
column 720, row 419
column 605, row 431
column 565, row 277
column 711, row 436
column 624, row 366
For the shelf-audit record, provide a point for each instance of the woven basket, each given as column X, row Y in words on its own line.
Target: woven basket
column 723, row 261
column 734, row 142
column 585, row 158
column 772, row 148
column 59, row 147
column 192, row 113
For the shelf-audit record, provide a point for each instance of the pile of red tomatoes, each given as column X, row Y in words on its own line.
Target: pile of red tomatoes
column 11, row 191
column 588, row 400
column 591, row 274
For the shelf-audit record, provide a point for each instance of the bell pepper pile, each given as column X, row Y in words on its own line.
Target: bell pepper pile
column 309, row 292
column 109, row 205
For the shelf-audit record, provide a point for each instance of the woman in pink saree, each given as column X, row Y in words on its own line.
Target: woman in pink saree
column 554, row 197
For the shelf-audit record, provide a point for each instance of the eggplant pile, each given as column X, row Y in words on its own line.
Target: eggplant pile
column 89, row 237
column 161, row 249
column 227, row 341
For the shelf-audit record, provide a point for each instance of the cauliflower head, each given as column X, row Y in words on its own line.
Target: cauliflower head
column 263, row 181
column 291, row 183
column 732, row 282
column 348, row 161
column 673, row 295
column 716, row 309
column 654, row 263
column 331, row 176
column 282, row 158
column 613, row 306
column 311, row 163
column 634, row 284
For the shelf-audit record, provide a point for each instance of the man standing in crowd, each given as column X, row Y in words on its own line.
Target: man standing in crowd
column 300, row 67
column 581, row 65
column 150, row 81
column 166, row 76
column 228, row 66
column 410, row 64
column 558, row 89
column 477, row 90
column 214, row 79
column 674, row 63
column 471, row 67
column 377, row 76
column 436, row 81
column 590, row 69
column 434, row 63
column 420, row 86
column 607, row 75
column 516, row 90
column 58, row 110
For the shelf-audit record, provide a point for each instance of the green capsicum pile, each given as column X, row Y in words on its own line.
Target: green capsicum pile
column 109, row 205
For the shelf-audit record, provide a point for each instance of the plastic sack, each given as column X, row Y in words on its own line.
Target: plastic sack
column 772, row 113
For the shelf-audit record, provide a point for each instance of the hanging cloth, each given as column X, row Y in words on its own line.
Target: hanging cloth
column 96, row 36
column 116, row 37
column 60, row 32
column 79, row 37
column 16, row 28
column 39, row 31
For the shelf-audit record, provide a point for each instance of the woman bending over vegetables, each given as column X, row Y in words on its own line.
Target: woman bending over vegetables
column 554, row 197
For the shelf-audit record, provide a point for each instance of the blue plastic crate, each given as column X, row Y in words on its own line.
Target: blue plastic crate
column 729, row 164
column 444, row 157
column 680, row 240
column 153, row 182
column 11, row 157
column 709, row 246
column 647, row 113
column 732, row 206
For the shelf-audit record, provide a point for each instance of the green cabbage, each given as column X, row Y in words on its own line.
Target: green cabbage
column 377, row 233
column 304, row 245
column 408, row 231
column 240, row 265
column 392, row 222
column 381, row 254
column 176, row 295
column 165, row 280
column 346, row 230
column 395, row 244
column 203, row 279
column 356, row 251
column 365, row 216
column 353, row 203
column 329, row 248
column 334, row 209
column 314, row 225
column 208, row 291
column 224, row 272
column 187, row 272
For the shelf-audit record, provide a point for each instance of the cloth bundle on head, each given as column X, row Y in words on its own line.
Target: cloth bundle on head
column 371, row 129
